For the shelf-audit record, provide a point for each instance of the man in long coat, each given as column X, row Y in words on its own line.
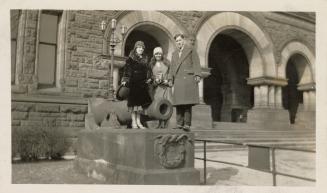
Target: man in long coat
column 185, row 73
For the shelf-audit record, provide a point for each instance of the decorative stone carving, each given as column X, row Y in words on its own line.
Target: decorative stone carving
column 170, row 149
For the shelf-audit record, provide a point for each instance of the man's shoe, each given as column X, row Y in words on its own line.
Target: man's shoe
column 187, row 128
column 178, row 127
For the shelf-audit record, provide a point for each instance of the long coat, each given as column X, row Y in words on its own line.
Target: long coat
column 183, row 71
column 136, row 73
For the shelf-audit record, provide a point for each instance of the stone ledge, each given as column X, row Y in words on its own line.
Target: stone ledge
column 266, row 80
column 307, row 86
column 48, row 99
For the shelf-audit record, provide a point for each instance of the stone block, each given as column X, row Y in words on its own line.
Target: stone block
column 43, row 115
column 73, row 108
column 77, row 124
column 19, row 115
column 47, row 108
column 61, row 123
column 22, row 107
column 75, row 117
column 306, row 119
column 15, row 123
column 71, row 82
column 31, row 123
column 103, row 84
column 98, row 74
column 128, row 156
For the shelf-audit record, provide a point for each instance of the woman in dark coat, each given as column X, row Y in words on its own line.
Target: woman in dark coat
column 136, row 75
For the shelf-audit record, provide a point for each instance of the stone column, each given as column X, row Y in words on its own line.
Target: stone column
column 312, row 100
column 257, row 96
column 271, row 95
column 264, row 96
column 201, row 91
column 278, row 97
column 306, row 100
column 268, row 103
column 307, row 116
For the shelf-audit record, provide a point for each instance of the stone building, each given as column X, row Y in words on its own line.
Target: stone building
column 262, row 64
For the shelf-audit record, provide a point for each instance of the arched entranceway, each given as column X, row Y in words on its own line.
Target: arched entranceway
column 226, row 89
column 152, row 36
column 159, row 26
column 298, row 66
column 292, row 97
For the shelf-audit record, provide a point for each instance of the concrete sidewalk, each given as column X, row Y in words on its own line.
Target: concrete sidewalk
column 290, row 162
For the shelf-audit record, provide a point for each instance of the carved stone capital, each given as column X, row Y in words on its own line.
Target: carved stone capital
column 266, row 80
column 307, row 86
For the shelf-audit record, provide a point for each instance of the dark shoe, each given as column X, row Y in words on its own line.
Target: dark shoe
column 178, row 127
column 187, row 128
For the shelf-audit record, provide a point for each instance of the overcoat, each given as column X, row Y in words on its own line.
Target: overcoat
column 183, row 71
column 136, row 73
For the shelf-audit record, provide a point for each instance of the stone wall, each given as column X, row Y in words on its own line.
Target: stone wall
column 34, row 114
column 283, row 29
column 69, row 118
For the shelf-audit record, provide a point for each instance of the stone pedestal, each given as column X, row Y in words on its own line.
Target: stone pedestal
column 268, row 118
column 306, row 119
column 201, row 117
column 132, row 156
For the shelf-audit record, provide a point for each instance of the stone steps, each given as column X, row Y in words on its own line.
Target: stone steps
column 287, row 136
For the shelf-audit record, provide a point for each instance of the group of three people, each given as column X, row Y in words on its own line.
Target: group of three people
column 158, row 76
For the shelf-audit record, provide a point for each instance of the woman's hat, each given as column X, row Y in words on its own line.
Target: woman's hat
column 122, row 93
column 139, row 44
column 157, row 50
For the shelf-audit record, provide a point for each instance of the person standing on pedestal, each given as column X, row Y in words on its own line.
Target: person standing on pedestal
column 185, row 74
column 160, row 86
column 136, row 75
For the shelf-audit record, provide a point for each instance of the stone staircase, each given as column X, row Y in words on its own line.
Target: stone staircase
column 291, row 136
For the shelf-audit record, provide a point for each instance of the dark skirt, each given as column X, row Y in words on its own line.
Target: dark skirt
column 139, row 96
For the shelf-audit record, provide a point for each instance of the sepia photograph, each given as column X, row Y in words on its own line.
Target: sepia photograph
column 181, row 97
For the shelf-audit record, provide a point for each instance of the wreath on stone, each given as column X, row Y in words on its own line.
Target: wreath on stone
column 170, row 149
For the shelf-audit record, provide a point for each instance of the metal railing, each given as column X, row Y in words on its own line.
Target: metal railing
column 271, row 149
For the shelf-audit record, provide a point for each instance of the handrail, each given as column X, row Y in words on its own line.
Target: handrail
column 273, row 171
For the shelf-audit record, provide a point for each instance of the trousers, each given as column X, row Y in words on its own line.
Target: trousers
column 184, row 115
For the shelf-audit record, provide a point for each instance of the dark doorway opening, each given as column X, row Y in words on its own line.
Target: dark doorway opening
column 292, row 97
column 226, row 89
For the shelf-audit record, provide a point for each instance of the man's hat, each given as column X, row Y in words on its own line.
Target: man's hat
column 122, row 93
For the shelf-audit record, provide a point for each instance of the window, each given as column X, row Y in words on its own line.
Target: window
column 14, row 22
column 48, row 48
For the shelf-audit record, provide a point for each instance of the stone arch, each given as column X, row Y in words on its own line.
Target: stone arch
column 134, row 19
column 262, row 61
column 294, row 48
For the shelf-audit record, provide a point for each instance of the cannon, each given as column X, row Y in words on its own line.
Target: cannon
column 105, row 113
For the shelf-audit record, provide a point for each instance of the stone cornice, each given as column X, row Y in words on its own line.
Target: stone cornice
column 307, row 86
column 265, row 80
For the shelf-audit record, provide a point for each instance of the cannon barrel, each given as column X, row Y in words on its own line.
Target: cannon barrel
column 100, row 109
